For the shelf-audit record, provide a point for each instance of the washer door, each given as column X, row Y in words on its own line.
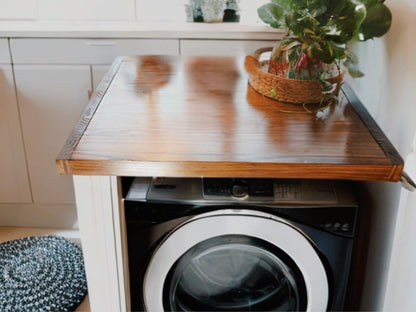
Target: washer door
column 235, row 261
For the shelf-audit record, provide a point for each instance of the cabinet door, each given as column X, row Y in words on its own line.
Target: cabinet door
column 98, row 73
column 223, row 47
column 51, row 100
column 85, row 51
column 4, row 51
column 14, row 183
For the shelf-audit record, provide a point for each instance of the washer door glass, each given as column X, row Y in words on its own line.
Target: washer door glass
column 234, row 273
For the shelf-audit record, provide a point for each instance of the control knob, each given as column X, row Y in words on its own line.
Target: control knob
column 239, row 189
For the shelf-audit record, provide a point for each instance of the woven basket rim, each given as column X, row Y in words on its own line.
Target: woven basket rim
column 285, row 89
column 257, row 55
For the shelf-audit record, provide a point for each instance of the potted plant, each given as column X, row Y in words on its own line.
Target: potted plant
column 319, row 33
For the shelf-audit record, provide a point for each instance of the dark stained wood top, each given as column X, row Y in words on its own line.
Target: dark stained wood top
column 197, row 116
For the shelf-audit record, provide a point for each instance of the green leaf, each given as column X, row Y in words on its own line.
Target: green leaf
column 355, row 73
column 284, row 4
column 308, row 31
column 349, row 19
column 328, row 51
column 318, row 10
column 293, row 56
column 272, row 14
column 318, row 47
column 376, row 23
column 353, row 70
column 339, row 51
column 289, row 42
column 298, row 24
column 309, row 51
column 351, row 57
column 332, row 9
column 326, row 85
column 273, row 92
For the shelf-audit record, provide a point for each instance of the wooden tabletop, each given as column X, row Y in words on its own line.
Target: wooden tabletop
column 198, row 117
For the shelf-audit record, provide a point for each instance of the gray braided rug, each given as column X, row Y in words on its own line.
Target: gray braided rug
column 41, row 274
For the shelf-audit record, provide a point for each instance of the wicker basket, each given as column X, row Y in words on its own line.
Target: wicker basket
column 286, row 90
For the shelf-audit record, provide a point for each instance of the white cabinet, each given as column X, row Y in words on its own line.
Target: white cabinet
column 51, row 100
column 14, row 183
column 4, row 51
column 86, row 51
column 98, row 73
column 223, row 47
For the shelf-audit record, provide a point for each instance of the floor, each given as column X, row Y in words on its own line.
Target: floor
column 11, row 233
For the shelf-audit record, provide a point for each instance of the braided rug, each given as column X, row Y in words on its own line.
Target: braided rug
column 44, row 273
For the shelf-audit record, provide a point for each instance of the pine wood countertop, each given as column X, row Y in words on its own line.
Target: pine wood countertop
column 198, row 117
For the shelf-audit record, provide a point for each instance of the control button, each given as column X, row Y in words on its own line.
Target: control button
column 239, row 189
column 328, row 226
column 337, row 225
column 287, row 191
column 260, row 188
column 345, row 227
column 217, row 187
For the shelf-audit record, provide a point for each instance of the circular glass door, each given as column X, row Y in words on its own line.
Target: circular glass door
column 234, row 273
column 235, row 260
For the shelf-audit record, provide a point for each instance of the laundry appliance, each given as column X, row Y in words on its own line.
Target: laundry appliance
column 234, row 244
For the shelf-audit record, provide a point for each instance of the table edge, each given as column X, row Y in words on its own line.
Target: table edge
column 82, row 124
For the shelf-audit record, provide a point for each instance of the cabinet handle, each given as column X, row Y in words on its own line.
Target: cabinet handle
column 101, row 42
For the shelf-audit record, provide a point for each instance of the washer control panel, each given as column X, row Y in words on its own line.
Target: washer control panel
column 276, row 190
column 252, row 190
column 325, row 204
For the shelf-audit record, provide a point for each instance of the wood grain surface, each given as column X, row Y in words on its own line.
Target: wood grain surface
column 197, row 116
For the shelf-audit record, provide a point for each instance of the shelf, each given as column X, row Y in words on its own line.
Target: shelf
column 79, row 29
column 197, row 116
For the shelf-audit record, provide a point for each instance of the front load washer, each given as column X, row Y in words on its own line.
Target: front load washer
column 239, row 244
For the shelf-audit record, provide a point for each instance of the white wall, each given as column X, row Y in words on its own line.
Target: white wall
column 389, row 92
column 401, row 278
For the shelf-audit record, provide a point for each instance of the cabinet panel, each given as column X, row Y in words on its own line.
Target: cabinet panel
column 98, row 73
column 86, row 51
column 14, row 182
column 95, row 10
column 51, row 99
column 4, row 51
column 222, row 47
